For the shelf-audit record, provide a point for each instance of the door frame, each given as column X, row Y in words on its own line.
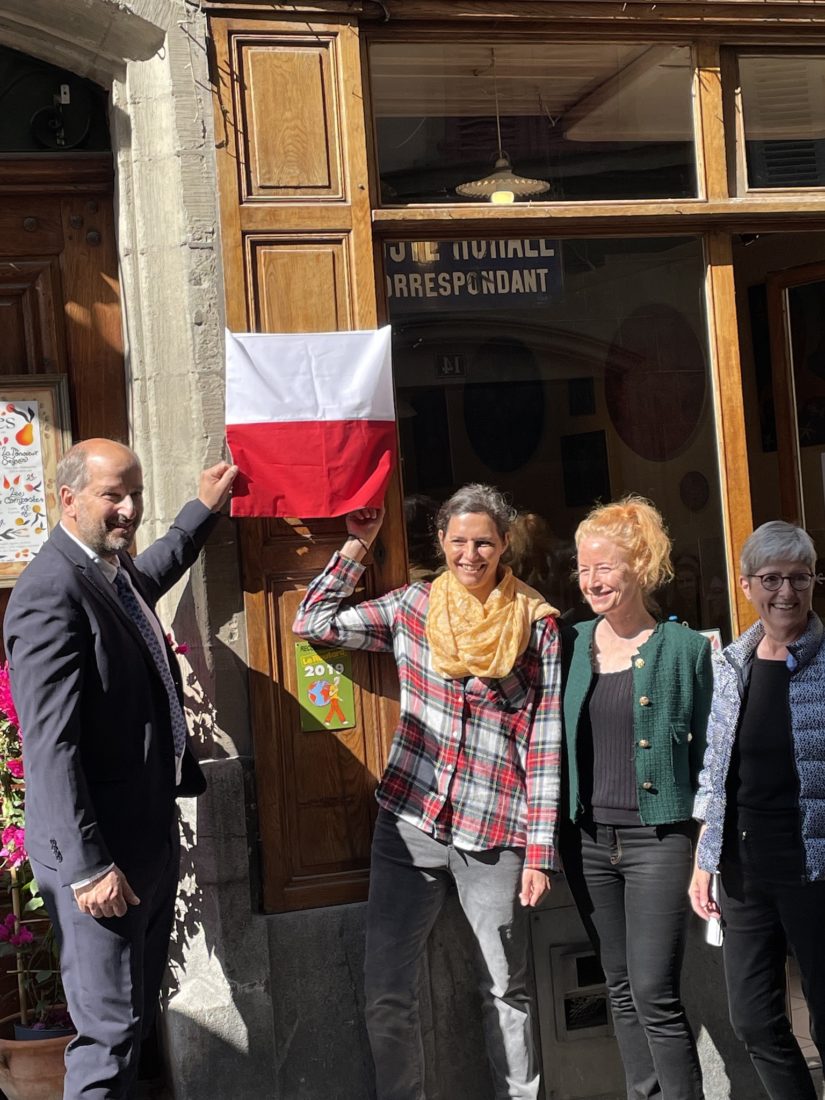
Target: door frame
column 791, row 500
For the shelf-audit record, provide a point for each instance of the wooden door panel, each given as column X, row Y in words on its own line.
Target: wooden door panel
column 289, row 122
column 300, row 284
column 31, row 308
column 30, row 226
column 94, row 333
column 317, row 756
column 325, row 816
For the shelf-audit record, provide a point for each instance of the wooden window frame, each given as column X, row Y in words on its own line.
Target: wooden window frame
column 539, row 207
column 712, row 216
column 735, row 127
column 720, row 178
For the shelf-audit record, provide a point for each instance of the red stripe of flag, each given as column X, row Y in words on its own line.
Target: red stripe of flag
column 310, row 468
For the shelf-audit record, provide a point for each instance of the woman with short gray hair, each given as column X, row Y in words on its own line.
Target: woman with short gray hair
column 777, row 541
column 470, row 794
column 761, row 797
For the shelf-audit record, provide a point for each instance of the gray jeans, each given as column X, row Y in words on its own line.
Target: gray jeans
column 410, row 875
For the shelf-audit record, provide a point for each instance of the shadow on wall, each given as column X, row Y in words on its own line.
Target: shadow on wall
column 218, row 1007
column 218, row 1018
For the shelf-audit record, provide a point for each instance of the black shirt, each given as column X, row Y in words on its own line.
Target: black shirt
column 762, row 774
column 607, row 764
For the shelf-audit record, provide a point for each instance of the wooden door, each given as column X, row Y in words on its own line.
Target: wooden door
column 297, row 256
column 59, row 291
column 60, row 302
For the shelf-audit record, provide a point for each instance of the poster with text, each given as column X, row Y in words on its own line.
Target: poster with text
column 325, row 690
column 33, row 435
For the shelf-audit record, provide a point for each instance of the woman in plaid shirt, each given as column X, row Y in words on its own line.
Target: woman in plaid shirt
column 470, row 795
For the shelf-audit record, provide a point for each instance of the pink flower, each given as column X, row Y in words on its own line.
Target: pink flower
column 6, row 702
column 21, row 937
column 13, row 834
column 182, row 648
column 15, row 766
column 14, row 845
column 14, row 933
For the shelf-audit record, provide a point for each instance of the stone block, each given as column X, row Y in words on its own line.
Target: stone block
column 317, row 961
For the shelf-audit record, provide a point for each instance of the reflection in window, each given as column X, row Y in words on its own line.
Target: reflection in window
column 592, row 121
column 783, row 103
column 564, row 372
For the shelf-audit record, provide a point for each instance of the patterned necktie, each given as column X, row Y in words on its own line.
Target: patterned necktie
column 135, row 613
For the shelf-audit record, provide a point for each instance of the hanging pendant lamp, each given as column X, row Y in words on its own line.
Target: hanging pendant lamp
column 503, row 185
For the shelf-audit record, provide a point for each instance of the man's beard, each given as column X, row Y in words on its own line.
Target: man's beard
column 102, row 540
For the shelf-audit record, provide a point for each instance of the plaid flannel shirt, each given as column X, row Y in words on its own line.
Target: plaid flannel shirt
column 475, row 762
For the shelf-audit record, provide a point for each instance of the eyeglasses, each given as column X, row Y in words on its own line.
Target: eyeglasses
column 772, row 582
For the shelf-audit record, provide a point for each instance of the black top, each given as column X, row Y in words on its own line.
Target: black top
column 607, row 750
column 762, row 774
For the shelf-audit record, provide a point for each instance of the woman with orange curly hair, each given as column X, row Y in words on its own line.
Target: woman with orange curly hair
column 635, row 707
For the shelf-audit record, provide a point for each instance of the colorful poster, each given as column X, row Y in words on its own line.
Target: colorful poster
column 24, row 525
column 325, row 690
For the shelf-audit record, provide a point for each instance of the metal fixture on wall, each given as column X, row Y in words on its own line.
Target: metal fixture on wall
column 502, row 186
column 44, row 109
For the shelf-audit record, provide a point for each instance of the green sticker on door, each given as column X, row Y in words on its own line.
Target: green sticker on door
column 324, row 688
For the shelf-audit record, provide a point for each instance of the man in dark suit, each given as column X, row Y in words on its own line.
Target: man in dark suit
column 99, row 695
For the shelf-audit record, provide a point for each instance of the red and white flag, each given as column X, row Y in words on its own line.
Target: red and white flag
column 310, row 421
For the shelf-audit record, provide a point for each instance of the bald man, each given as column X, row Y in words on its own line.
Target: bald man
column 105, row 749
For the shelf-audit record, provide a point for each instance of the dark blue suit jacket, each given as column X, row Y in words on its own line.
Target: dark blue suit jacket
column 97, row 739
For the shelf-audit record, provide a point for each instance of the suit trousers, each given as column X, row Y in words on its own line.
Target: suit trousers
column 767, row 907
column 411, row 873
column 112, row 972
column 630, row 886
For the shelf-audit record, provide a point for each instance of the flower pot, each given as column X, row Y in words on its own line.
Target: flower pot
column 36, row 1034
column 31, row 1069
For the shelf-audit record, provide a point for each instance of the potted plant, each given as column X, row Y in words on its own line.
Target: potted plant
column 33, row 1038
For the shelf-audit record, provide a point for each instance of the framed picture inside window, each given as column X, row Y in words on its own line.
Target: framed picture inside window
column 35, row 431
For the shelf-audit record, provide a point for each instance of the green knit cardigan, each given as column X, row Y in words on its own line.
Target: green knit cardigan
column 672, row 688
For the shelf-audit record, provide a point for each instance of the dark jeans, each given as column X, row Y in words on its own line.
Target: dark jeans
column 630, row 885
column 112, row 972
column 766, row 906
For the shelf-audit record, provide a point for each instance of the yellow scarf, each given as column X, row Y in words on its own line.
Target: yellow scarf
column 470, row 638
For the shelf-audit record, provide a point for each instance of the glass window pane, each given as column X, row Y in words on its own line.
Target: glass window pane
column 783, row 105
column 565, row 372
column 577, row 121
